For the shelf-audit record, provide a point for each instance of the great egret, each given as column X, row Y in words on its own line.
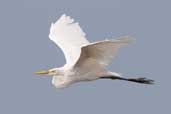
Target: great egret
column 84, row 61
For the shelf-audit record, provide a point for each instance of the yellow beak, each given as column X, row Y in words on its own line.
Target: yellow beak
column 42, row 72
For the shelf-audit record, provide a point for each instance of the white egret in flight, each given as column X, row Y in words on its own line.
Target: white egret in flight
column 85, row 61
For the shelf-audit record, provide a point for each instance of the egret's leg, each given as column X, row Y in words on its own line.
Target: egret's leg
column 137, row 80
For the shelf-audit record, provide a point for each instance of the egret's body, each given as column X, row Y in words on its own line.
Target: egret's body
column 84, row 61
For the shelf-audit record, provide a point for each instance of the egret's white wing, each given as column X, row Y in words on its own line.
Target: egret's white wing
column 69, row 37
column 102, row 51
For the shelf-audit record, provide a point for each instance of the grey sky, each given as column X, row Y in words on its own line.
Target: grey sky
column 25, row 48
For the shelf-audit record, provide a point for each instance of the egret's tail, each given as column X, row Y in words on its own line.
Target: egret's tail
column 137, row 80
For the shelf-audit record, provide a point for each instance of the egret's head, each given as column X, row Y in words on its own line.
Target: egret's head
column 48, row 72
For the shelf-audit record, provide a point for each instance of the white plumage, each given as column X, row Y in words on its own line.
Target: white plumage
column 84, row 61
column 69, row 37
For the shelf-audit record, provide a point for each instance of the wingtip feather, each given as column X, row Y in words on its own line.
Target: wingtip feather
column 125, row 40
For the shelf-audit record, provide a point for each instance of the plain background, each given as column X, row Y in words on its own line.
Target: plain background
column 26, row 48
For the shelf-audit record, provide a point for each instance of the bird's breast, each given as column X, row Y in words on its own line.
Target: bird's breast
column 61, row 81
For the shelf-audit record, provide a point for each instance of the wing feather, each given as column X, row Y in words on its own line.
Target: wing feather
column 102, row 51
column 69, row 37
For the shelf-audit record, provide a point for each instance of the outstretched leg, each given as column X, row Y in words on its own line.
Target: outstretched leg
column 137, row 80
